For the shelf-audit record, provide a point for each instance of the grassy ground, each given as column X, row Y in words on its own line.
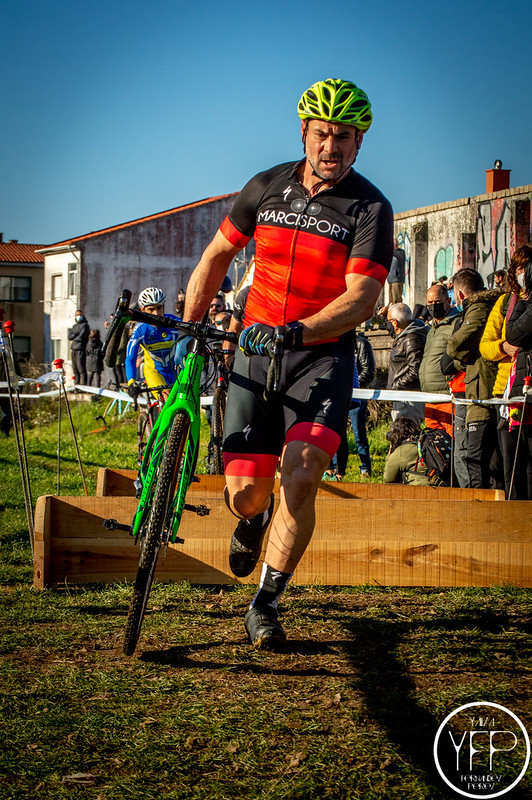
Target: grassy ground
column 348, row 710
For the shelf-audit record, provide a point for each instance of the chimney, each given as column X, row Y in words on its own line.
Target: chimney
column 497, row 178
column 13, row 241
column 1, row 237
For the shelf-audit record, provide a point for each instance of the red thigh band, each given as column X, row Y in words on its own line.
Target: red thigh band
column 250, row 465
column 314, row 433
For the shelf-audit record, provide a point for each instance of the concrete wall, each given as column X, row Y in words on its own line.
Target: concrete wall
column 158, row 251
column 480, row 232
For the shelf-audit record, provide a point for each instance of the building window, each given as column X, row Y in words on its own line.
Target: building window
column 15, row 289
column 56, row 349
column 57, row 287
column 22, row 347
column 72, row 279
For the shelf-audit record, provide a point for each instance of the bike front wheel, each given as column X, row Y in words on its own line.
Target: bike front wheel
column 157, row 528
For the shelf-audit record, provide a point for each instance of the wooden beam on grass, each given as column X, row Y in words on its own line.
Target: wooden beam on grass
column 383, row 540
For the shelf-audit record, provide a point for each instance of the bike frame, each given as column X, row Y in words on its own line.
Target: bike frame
column 184, row 396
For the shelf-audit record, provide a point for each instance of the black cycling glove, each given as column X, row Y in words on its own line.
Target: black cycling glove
column 254, row 340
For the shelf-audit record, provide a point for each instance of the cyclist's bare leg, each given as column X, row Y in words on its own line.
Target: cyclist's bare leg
column 246, row 497
column 302, row 468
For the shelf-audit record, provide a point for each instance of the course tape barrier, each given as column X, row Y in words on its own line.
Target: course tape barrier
column 52, row 377
column 393, row 395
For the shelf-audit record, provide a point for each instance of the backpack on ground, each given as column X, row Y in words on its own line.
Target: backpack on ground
column 435, row 452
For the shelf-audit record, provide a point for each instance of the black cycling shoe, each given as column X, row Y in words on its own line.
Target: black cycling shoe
column 263, row 628
column 246, row 542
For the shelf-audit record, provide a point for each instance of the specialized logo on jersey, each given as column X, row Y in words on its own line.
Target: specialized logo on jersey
column 286, row 192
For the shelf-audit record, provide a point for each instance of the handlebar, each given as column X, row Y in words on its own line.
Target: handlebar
column 124, row 314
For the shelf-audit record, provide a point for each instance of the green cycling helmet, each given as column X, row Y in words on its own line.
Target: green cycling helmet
column 335, row 100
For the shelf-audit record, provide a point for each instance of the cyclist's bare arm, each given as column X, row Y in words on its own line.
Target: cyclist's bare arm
column 343, row 314
column 235, row 326
column 207, row 277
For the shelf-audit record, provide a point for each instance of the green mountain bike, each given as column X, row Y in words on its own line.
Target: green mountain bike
column 170, row 456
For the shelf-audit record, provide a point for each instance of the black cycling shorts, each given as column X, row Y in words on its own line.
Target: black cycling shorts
column 312, row 406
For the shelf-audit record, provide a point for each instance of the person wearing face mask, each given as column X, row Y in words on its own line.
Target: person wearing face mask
column 495, row 346
column 431, row 378
column 519, row 333
column 481, row 456
column 409, row 336
column 78, row 335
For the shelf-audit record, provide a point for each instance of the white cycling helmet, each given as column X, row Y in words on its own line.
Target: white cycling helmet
column 152, row 296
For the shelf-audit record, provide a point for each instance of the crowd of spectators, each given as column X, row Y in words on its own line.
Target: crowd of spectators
column 466, row 341
column 474, row 344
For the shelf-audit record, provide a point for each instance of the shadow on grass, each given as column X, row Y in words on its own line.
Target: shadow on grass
column 389, row 693
column 64, row 458
column 189, row 656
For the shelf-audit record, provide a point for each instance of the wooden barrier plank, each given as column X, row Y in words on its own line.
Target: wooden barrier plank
column 119, row 483
column 386, row 541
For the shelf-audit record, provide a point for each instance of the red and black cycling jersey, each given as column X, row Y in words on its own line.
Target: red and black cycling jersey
column 305, row 246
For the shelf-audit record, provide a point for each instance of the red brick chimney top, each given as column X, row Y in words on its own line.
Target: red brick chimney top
column 497, row 179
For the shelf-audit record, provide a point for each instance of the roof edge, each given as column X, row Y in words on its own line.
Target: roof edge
column 465, row 201
column 66, row 244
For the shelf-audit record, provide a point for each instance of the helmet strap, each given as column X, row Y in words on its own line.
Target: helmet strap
column 304, row 136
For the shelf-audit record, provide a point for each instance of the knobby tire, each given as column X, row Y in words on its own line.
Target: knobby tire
column 217, row 429
column 152, row 538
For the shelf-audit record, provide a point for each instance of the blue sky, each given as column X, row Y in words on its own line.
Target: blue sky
column 111, row 111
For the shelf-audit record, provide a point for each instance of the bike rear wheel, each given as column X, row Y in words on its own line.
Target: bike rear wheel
column 145, row 425
column 158, row 523
column 217, row 430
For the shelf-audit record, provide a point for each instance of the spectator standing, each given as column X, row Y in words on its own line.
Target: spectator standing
column 94, row 362
column 236, row 324
column 180, row 304
column 499, row 280
column 5, row 406
column 365, row 363
column 79, row 336
column 464, row 348
column 406, row 353
column 396, row 276
column 494, row 346
column 456, row 380
column 519, row 333
column 216, row 306
column 119, row 369
column 431, row 378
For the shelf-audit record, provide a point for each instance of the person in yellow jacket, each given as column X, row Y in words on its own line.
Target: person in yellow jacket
column 494, row 347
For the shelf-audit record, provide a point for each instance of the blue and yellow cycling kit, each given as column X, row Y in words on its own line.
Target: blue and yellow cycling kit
column 158, row 345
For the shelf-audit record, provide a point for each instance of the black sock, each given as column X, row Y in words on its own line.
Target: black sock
column 272, row 584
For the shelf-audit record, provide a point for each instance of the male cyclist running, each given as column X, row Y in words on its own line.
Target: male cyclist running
column 157, row 343
column 324, row 242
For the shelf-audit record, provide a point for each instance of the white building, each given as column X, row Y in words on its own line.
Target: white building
column 89, row 272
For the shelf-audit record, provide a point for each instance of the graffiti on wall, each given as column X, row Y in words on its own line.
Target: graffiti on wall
column 444, row 262
column 493, row 236
column 403, row 241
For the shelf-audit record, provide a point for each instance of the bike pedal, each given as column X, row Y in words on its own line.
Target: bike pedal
column 201, row 511
column 114, row 525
